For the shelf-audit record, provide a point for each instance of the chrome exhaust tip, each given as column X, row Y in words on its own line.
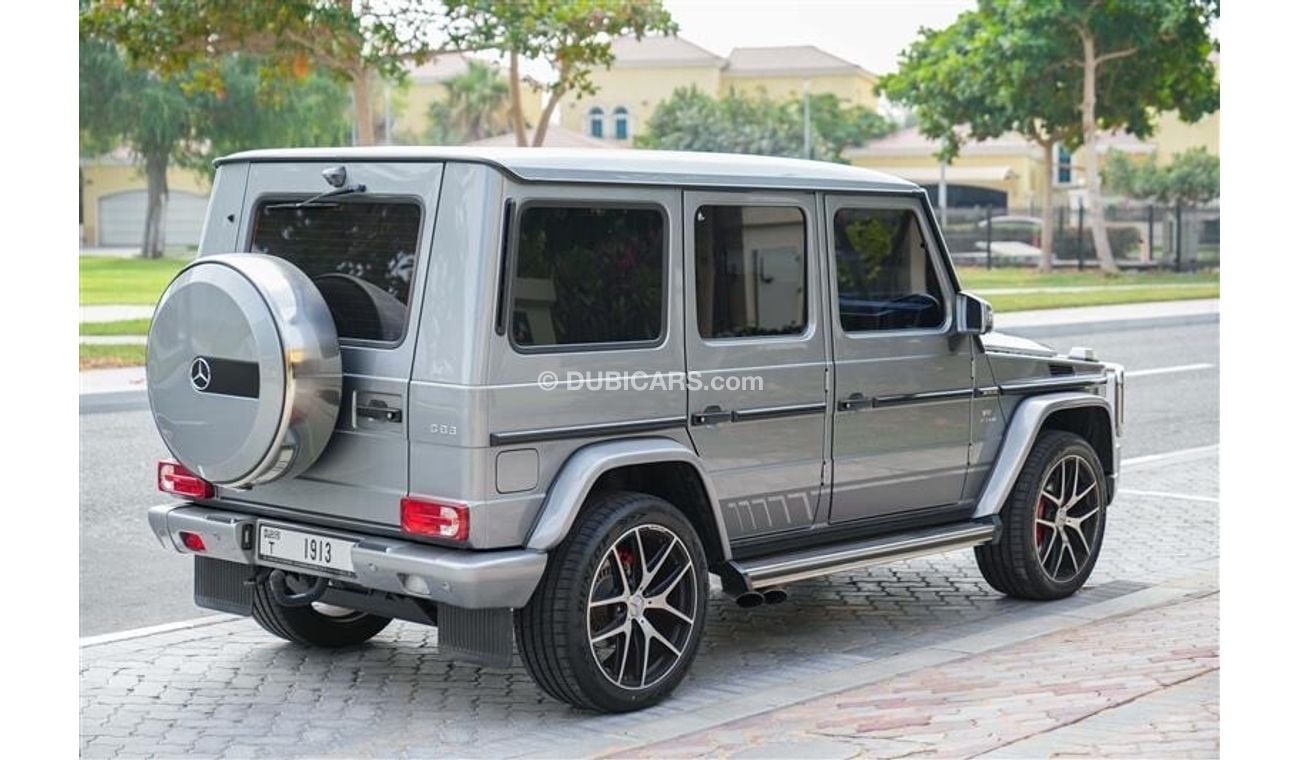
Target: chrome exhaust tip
column 775, row 595
column 749, row 600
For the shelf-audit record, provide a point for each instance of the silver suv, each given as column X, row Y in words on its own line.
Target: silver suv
column 538, row 397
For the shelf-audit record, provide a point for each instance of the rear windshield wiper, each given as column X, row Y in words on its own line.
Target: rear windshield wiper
column 315, row 200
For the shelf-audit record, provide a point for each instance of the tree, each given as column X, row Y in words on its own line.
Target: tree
column 354, row 42
column 572, row 37
column 1063, row 71
column 756, row 124
column 1190, row 179
column 162, row 124
column 477, row 106
column 963, row 88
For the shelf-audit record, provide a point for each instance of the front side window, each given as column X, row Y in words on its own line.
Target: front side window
column 885, row 275
column 751, row 272
column 588, row 275
column 360, row 254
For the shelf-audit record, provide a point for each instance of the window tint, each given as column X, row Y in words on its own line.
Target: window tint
column 751, row 273
column 360, row 254
column 588, row 275
column 885, row 276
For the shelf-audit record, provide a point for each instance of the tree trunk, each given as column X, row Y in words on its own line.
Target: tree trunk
column 155, row 214
column 539, row 132
column 517, row 104
column 364, row 116
column 1046, row 237
column 1096, row 211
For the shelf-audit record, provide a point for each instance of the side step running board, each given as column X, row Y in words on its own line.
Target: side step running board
column 739, row 576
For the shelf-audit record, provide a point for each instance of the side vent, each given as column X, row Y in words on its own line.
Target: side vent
column 1060, row 370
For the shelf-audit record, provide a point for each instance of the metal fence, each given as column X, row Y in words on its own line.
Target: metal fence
column 1141, row 236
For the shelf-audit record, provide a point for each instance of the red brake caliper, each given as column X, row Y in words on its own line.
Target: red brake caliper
column 625, row 559
column 1040, row 532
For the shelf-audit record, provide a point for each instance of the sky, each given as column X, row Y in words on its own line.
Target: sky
column 870, row 33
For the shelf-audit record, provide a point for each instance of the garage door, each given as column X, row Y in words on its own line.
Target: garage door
column 121, row 218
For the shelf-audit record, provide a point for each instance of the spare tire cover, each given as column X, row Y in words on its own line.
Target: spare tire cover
column 243, row 369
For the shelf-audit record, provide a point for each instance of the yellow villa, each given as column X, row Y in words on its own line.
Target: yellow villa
column 645, row 73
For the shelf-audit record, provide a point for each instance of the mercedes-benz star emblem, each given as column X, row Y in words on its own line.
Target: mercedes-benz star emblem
column 200, row 374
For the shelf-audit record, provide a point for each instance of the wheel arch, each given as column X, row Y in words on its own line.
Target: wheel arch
column 658, row 466
column 1088, row 415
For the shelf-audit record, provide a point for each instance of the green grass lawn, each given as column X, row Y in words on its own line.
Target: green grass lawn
column 123, row 327
column 975, row 278
column 110, row 280
column 1026, row 301
column 104, row 357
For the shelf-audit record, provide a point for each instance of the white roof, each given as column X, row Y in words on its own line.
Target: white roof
column 629, row 167
column 787, row 59
column 661, row 52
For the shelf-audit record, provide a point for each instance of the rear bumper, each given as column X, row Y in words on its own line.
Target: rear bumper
column 469, row 579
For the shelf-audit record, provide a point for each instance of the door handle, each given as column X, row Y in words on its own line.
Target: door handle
column 853, row 403
column 711, row 415
column 380, row 411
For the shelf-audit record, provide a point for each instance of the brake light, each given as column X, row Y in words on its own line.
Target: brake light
column 437, row 519
column 173, row 478
column 193, row 541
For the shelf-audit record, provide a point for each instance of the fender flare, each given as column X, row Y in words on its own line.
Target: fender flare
column 1019, row 437
column 584, row 467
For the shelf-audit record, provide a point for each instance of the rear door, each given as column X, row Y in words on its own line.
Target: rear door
column 366, row 252
column 756, row 352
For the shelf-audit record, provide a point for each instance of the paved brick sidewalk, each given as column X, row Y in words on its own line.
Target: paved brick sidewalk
column 228, row 689
column 1102, row 688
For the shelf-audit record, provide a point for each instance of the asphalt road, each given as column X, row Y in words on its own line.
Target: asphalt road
column 127, row 580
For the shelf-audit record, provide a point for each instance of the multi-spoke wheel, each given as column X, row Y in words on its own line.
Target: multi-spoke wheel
column 1052, row 524
column 1069, row 512
column 642, row 606
column 616, row 619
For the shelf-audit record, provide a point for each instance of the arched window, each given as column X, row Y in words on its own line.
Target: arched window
column 620, row 123
column 596, row 122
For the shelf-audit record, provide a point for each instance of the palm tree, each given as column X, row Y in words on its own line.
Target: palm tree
column 475, row 107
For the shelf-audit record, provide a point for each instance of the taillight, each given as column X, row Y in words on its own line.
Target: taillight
column 173, row 478
column 436, row 519
column 193, row 541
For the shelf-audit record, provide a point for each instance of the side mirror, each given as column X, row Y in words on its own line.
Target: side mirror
column 974, row 315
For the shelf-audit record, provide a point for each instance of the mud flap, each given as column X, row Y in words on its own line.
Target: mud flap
column 482, row 637
column 223, row 586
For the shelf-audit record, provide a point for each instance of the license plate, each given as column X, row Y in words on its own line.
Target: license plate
column 305, row 549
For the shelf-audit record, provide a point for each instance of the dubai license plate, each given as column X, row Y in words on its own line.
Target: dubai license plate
column 296, row 547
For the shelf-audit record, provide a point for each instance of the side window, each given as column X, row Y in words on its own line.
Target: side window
column 588, row 275
column 751, row 271
column 885, row 275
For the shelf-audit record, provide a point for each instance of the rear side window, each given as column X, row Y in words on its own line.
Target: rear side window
column 751, row 271
column 884, row 273
column 588, row 275
column 360, row 254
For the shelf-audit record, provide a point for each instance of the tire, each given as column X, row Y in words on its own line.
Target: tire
column 311, row 625
column 602, row 657
column 1038, row 556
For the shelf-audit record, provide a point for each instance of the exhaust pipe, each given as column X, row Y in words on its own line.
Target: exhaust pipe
column 749, row 599
column 775, row 595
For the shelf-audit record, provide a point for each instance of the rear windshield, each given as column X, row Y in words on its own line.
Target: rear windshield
column 360, row 254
